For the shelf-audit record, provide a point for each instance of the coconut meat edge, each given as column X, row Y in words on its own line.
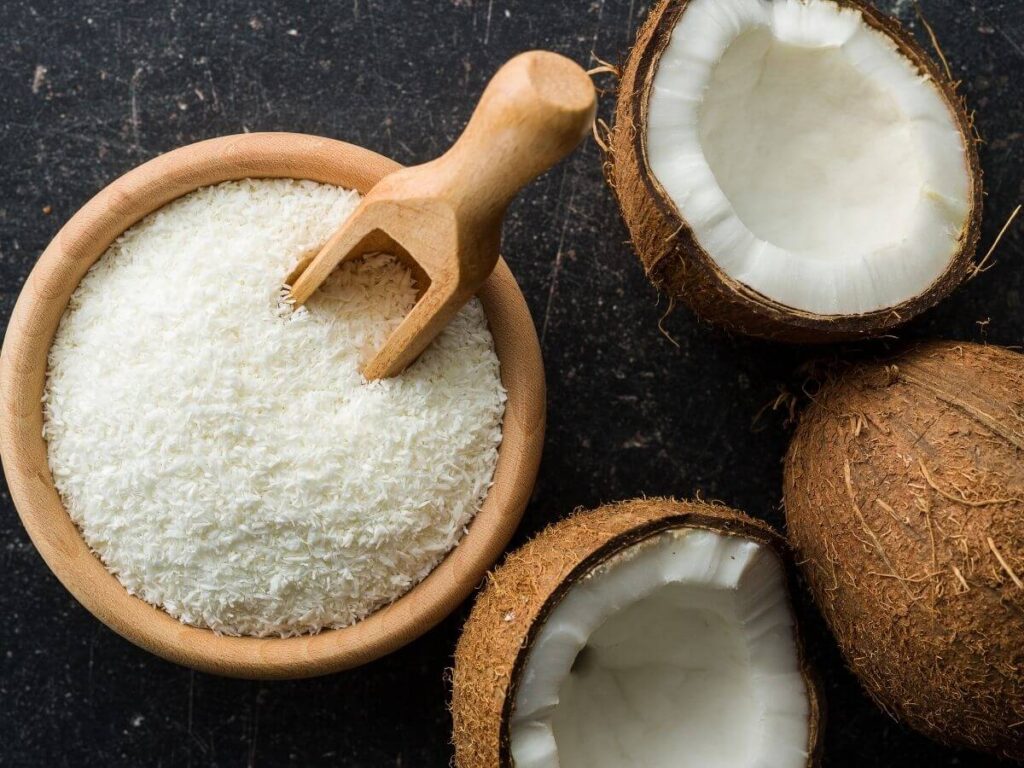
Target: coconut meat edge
column 812, row 160
column 680, row 651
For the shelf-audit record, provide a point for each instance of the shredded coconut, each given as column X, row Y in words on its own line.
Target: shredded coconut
column 222, row 454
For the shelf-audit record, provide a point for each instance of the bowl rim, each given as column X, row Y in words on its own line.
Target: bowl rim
column 40, row 305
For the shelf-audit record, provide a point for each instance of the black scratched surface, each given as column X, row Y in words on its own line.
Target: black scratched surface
column 89, row 89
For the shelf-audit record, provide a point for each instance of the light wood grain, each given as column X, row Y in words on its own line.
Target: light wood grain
column 22, row 374
column 443, row 218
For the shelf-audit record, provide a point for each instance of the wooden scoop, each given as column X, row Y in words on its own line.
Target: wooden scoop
column 443, row 218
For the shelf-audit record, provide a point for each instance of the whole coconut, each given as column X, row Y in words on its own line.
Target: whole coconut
column 904, row 493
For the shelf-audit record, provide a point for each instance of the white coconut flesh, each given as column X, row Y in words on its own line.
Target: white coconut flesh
column 680, row 652
column 813, row 161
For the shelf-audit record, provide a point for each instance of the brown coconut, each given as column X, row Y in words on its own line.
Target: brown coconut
column 904, row 492
column 681, row 269
column 521, row 593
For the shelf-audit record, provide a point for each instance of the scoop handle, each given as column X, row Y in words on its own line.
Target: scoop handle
column 533, row 113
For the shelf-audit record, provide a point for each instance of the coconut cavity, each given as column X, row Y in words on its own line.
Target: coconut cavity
column 771, row 122
column 811, row 158
column 797, row 170
column 652, row 632
column 678, row 652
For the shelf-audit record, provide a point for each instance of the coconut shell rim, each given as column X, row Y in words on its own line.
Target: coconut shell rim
column 750, row 307
column 739, row 526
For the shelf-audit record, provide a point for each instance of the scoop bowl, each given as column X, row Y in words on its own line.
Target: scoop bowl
column 23, row 361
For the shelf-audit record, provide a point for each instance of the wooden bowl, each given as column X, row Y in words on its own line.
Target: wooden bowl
column 22, row 376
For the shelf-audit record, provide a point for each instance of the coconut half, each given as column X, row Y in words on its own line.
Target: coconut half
column 648, row 633
column 796, row 169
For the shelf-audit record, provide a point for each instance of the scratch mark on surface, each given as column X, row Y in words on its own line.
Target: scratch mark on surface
column 487, row 26
column 191, row 699
column 98, row 141
column 1013, row 43
column 213, row 88
column 385, row 103
column 1001, row 32
column 597, row 28
column 133, row 87
column 192, row 696
column 92, row 659
column 255, row 730
column 557, row 266
column 38, row 78
column 551, row 294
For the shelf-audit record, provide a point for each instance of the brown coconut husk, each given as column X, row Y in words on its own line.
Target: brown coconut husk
column 904, row 493
column 668, row 249
column 519, row 596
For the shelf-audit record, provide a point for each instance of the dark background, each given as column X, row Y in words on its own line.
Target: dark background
column 90, row 89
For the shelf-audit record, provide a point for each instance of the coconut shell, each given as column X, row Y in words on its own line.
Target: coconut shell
column 668, row 249
column 904, row 493
column 519, row 596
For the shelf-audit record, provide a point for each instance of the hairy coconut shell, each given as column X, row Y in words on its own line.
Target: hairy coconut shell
column 668, row 249
column 519, row 596
column 904, row 490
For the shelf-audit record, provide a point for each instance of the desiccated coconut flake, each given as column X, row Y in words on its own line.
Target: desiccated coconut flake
column 222, row 454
